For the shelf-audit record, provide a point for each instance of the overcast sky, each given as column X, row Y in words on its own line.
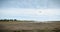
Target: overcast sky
column 42, row 10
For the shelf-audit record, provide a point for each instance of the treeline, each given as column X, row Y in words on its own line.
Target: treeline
column 8, row 19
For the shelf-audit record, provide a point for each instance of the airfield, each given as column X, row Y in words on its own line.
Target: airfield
column 29, row 26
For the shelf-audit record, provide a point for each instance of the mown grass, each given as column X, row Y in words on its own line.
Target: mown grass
column 29, row 30
column 14, row 26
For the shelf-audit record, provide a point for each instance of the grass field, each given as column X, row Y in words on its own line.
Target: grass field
column 18, row 26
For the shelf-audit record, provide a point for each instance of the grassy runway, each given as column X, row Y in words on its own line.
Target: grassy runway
column 14, row 26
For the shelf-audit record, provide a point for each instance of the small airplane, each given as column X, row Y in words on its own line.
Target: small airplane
column 40, row 11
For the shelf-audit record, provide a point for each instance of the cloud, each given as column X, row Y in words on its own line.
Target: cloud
column 31, row 14
column 48, row 12
column 30, row 9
